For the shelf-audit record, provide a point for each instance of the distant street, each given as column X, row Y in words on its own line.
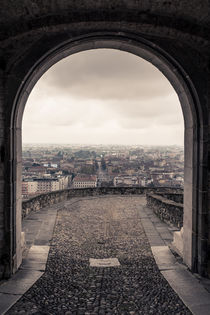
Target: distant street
column 102, row 175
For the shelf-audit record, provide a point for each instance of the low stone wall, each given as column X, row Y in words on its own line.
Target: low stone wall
column 44, row 200
column 176, row 196
column 167, row 210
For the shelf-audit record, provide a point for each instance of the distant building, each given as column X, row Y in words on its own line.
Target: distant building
column 37, row 170
column 142, row 182
column 53, row 165
column 82, row 181
column 44, row 185
column 29, row 187
column 125, row 181
column 64, row 182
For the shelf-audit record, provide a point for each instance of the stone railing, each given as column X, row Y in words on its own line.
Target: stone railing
column 168, row 210
column 47, row 199
column 176, row 195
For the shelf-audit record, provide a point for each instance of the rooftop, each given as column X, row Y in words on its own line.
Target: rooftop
column 85, row 178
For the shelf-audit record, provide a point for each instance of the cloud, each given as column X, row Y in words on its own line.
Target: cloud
column 107, row 74
column 103, row 96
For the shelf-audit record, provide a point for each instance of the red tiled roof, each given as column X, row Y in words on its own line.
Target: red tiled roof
column 88, row 178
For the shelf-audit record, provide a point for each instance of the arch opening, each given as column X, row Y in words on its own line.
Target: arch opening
column 192, row 120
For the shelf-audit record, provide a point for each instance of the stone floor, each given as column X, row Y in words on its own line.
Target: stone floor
column 107, row 227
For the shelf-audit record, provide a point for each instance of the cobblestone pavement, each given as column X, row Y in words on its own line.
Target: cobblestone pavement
column 101, row 227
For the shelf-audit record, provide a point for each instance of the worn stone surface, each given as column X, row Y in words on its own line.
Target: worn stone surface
column 100, row 227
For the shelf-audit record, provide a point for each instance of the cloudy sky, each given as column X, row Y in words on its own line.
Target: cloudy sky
column 103, row 96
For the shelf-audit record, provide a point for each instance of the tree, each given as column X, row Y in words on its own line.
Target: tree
column 36, row 164
column 88, row 169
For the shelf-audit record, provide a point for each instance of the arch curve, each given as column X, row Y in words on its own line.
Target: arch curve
column 194, row 119
column 128, row 42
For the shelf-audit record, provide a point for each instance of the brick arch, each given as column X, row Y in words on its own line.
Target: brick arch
column 32, row 66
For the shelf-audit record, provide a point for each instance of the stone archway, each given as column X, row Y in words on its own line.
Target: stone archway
column 195, row 238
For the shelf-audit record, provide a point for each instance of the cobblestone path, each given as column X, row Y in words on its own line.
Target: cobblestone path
column 100, row 227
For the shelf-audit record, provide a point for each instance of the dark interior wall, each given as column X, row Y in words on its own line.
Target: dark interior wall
column 30, row 29
column 20, row 15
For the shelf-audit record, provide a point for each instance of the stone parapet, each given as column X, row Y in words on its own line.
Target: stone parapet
column 167, row 210
column 176, row 196
column 47, row 199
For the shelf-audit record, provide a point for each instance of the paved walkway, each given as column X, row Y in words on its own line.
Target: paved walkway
column 103, row 228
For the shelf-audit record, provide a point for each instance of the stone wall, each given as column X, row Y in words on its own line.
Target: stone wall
column 167, row 210
column 176, row 196
column 44, row 200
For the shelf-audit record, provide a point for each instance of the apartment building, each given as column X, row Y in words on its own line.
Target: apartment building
column 29, row 187
column 85, row 181
column 44, row 185
column 125, row 180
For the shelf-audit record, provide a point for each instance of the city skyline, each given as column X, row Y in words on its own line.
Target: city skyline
column 103, row 97
column 57, row 167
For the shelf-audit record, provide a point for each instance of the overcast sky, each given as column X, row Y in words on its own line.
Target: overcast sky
column 103, row 96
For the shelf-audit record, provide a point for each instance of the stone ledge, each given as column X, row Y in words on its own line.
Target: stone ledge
column 48, row 199
column 167, row 210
